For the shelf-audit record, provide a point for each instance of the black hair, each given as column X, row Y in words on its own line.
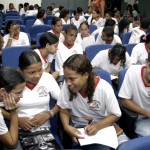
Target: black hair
column 70, row 27
column 118, row 50
column 55, row 20
column 61, row 8
column 97, row 11
column 40, row 13
column 135, row 7
column 109, row 12
column 10, row 78
column 28, row 58
column 145, row 23
column 109, row 31
column 48, row 37
column 145, row 38
column 110, row 22
column 122, row 25
column 26, row 4
column 85, row 23
column 81, row 64
column 64, row 13
column 9, row 24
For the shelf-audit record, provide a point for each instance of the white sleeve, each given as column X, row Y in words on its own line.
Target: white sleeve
column 96, row 62
column 128, row 61
column 3, row 128
column 58, row 62
column 98, row 39
column 126, row 89
column 135, row 55
column 5, row 40
column 26, row 39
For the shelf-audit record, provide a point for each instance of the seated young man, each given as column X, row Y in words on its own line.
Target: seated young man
column 135, row 94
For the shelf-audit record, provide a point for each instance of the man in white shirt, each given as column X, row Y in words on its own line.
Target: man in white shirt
column 24, row 9
column 135, row 94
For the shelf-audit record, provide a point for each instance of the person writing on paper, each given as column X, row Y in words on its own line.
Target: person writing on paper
column 112, row 60
column 12, row 84
column 85, row 94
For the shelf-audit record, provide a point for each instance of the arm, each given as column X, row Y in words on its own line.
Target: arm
column 11, row 137
column 128, row 103
column 71, row 131
column 94, row 128
column 102, row 5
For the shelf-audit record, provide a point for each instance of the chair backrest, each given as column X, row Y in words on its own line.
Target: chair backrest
column 19, row 21
column 12, row 17
column 48, row 17
column 141, row 143
column 92, row 50
column 86, row 17
column 49, row 22
column 38, row 38
column 28, row 18
column 103, row 74
column 29, row 23
column 64, row 27
column 23, row 28
column 126, row 37
column 92, row 28
column 35, row 29
column 121, row 77
column 12, row 14
column 10, row 56
column 129, row 48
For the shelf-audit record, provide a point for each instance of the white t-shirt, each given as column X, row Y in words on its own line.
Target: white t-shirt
column 136, row 35
column 64, row 22
column 134, row 88
column 86, row 41
column 44, row 61
column 116, row 40
column 37, row 100
column 131, row 27
column 3, row 127
column 104, row 103
column 38, row 22
column 23, row 40
column 139, row 54
column 98, row 23
column 61, row 37
column 31, row 13
column 101, row 60
column 22, row 11
column 63, row 53
column 77, row 22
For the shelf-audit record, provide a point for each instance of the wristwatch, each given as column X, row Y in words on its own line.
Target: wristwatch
column 51, row 113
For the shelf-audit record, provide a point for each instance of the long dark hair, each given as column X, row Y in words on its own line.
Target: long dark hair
column 81, row 64
column 10, row 78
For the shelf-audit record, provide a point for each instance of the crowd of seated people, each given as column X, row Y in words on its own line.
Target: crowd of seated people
column 83, row 93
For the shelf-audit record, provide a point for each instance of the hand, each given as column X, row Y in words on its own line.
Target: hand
column 25, row 123
column 74, row 133
column 9, row 102
column 91, row 129
column 39, row 119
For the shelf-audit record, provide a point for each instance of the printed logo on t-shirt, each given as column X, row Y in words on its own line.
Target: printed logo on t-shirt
column 94, row 105
column 42, row 91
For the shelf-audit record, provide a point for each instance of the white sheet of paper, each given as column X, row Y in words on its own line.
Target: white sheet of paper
column 106, row 136
column 113, row 77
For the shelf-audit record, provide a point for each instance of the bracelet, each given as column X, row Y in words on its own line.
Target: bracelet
column 51, row 113
column 10, row 38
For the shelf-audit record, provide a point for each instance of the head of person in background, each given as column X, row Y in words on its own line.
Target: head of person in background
column 13, row 28
column 89, row 11
column 108, row 15
column 1, row 47
column 41, row 15
column 76, row 15
column 65, row 14
column 70, row 35
column 36, row 6
column 26, row 6
column 107, row 34
column 20, row 6
column 11, row 7
column 110, row 22
column 129, row 7
column 117, row 54
column 136, row 21
column 145, row 24
column 146, row 40
column 135, row 8
column 129, row 15
column 117, row 15
column 53, row 5
column 49, row 10
column 123, row 26
column 84, row 29
column 80, row 11
column 57, row 26
column 2, row 8
column 95, row 15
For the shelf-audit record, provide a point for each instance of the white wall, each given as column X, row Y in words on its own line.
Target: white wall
column 16, row 3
